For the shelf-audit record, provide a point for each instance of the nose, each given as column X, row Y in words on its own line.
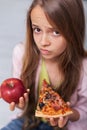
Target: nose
column 45, row 41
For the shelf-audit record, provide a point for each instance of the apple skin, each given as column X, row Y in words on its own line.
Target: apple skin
column 12, row 89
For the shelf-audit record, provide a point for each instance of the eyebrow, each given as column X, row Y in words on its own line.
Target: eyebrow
column 50, row 28
column 33, row 25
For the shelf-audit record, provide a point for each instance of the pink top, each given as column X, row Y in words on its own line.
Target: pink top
column 78, row 99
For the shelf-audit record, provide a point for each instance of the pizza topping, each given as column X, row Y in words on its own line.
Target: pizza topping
column 48, row 95
column 56, row 107
column 41, row 105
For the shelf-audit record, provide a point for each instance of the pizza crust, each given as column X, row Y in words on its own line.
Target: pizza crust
column 40, row 114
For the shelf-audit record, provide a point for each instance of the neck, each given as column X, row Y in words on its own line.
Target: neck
column 51, row 62
column 54, row 72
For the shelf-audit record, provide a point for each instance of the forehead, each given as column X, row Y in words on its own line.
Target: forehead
column 38, row 17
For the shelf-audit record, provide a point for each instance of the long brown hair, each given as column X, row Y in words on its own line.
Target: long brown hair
column 68, row 17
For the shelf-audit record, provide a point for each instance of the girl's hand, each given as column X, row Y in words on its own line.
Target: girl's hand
column 22, row 102
column 59, row 122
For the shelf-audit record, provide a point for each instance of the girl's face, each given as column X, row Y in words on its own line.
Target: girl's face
column 47, row 38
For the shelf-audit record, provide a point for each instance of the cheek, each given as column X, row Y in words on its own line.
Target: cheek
column 36, row 39
column 61, row 46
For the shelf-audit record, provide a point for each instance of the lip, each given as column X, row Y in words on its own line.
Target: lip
column 44, row 51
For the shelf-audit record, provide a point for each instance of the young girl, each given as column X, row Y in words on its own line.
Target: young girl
column 54, row 50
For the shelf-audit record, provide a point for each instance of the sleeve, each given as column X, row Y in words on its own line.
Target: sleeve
column 81, row 105
column 17, row 60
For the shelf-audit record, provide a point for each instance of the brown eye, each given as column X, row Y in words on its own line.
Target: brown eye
column 36, row 30
column 56, row 33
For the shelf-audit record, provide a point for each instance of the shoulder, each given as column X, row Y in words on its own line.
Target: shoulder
column 84, row 66
column 83, row 76
column 18, row 53
column 17, row 56
column 18, row 50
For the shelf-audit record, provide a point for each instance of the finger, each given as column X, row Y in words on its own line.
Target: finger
column 53, row 122
column 62, row 121
column 26, row 97
column 68, row 103
column 12, row 106
column 28, row 90
column 21, row 102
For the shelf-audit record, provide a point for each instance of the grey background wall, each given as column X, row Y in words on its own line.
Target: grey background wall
column 12, row 31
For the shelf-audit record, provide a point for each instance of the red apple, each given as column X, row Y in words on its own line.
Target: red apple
column 12, row 89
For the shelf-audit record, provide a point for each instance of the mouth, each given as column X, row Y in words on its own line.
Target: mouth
column 44, row 51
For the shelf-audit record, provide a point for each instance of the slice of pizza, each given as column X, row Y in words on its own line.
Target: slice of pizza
column 50, row 103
